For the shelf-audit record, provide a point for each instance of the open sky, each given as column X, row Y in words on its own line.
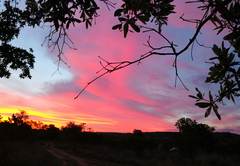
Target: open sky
column 138, row 97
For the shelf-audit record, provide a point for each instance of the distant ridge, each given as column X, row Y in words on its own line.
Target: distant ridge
column 164, row 134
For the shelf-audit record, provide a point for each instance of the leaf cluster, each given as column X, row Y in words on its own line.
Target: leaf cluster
column 210, row 104
column 58, row 13
column 226, row 72
column 228, row 18
column 15, row 58
column 12, row 20
column 63, row 13
column 144, row 11
column 225, row 69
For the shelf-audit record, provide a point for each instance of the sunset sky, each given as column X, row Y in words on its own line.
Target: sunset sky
column 138, row 97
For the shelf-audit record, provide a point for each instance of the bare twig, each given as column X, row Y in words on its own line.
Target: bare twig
column 62, row 39
column 109, row 4
column 114, row 66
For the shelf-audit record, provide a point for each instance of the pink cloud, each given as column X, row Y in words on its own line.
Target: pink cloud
column 138, row 97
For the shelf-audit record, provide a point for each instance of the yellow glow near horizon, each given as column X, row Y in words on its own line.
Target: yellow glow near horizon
column 50, row 117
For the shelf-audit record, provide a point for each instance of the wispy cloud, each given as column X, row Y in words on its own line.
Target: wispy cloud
column 140, row 96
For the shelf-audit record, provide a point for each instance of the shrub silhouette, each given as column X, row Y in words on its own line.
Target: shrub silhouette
column 194, row 136
column 72, row 132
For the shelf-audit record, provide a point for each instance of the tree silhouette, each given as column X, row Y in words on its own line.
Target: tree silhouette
column 194, row 136
column 73, row 131
column 52, row 132
column 19, row 118
column 137, row 132
column 187, row 125
column 13, row 130
column 133, row 15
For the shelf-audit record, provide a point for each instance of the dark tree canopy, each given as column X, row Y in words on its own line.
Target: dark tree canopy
column 137, row 132
column 187, row 125
column 194, row 136
column 133, row 16
column 72, row 127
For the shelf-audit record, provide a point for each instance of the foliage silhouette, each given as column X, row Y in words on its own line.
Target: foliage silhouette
column 72, row 132
column 186, row 125
column 194, row 136
column 197, row 143
column 52, row 132
column 137, row 132
column 11, row 131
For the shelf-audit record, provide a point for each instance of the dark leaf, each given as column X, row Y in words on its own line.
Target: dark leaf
column 210, row 97
column 135, row 27
column 197, row 90
column 220, row 30
column 199, row 95
column 143, row 19
column 118, row 26
column 77, row 20
column 231, row 57
column 232, row 98
column 122, row 19
column 203, row 104
column 215, row 109
column 68, row 23
column 118, row 12
column 56, row 24
column 213, row 58
column 125, row 29
column 230, row 36
column 193, row 96
column 48, row 19
column 215, row 49
column 208, row 111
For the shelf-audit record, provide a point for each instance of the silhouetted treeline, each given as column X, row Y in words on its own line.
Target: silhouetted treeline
column 193, row 138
